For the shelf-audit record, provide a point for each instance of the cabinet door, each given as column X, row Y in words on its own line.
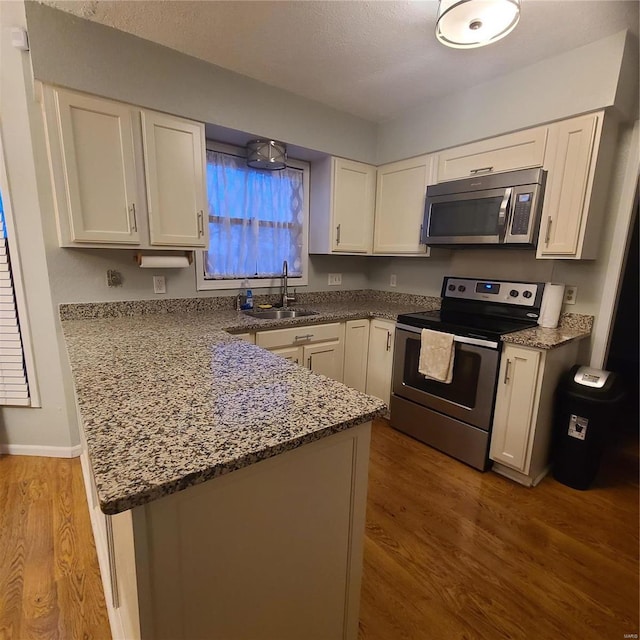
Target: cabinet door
column 293, row 354
column 356, row 349
column 400, row 196
column 96, row 138
column 175, row 167
column 380, row 362
column 354, row 185
column 571, row 146
column 325, row 358
column 515, row 401
column 520, row 150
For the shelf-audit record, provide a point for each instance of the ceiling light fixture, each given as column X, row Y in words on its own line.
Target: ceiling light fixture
column 267, row 154
column 466, row 24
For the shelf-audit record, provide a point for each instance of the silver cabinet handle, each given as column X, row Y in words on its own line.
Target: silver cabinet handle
column 506, row 372
column 200, row 223
column 309, row 362
column 388, row 340
column 338, row 234
column 306, row 336
column 421, row 238
column 547, row 235
column 481, row 170
column 132, row 211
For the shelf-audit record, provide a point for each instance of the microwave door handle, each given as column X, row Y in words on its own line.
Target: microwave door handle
column 503, row 214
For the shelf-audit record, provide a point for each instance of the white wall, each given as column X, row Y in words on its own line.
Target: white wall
column 52, row 425
column 584, row 79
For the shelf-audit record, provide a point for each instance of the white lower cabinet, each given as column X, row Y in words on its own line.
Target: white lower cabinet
column 523, row 418
column 356, row 350
column 380, row 360
column 318, row 347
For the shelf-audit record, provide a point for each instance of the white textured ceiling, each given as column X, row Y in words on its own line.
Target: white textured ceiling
column 371, row 59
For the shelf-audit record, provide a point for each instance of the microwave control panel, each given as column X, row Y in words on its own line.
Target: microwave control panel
column 521, row 214
column 523, row 294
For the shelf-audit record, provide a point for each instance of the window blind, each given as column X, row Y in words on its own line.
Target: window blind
column 14, row 389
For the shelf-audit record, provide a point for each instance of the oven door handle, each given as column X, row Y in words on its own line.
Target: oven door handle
column 461, row 339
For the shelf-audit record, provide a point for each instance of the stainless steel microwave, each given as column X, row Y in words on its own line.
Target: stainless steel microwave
column 497, row 209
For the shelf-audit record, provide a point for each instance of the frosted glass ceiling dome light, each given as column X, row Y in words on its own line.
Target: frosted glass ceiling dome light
column 466, row 24
column 267, row 154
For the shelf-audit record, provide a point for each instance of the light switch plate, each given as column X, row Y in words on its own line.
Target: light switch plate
column 335, row 278
column 159, row 284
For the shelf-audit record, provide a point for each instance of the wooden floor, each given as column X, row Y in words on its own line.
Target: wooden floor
column 50, row 585
column 450, row 553
column 453, row 553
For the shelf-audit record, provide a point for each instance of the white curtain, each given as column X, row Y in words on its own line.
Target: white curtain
column 255, row 219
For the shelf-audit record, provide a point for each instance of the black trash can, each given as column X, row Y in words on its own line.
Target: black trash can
column 587, row 402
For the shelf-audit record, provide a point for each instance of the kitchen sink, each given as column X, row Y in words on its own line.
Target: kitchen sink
column 278, row 314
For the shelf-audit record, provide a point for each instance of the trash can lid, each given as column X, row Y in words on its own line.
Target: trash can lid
column 589, row 377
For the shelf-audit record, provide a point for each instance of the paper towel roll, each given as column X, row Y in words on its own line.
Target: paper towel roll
column 163, row 262
column 551, row 305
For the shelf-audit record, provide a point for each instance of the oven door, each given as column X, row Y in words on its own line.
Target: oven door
column 470, row 395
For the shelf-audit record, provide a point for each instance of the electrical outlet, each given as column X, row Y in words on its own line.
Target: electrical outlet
column 570, row 294
column 393, row 281
column 335, row 278
column 159, row 284
column 114, row 278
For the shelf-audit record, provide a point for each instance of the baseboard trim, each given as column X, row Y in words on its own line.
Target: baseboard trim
column 38, row 450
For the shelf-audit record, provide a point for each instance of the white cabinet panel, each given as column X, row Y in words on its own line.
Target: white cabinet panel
column 341, row 206
column 400, row 198
column 325, row 358
column 96, row 145
column 174, row 160
column 356, row 348
column 380, row 363
column 353, row 205
column 520, row 150
column 514, row 406
column 293, row 354
column 571, row 165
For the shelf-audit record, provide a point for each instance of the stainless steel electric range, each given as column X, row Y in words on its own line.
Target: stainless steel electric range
column 456, row 418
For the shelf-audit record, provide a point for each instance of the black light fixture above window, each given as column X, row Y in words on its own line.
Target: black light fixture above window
column 267, row 154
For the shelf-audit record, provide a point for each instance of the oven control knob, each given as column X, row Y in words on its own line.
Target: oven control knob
column 461, row 288
column 452, row 287
column 527, row 294
column 513, row 293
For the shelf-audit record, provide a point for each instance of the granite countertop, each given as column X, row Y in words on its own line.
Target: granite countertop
column 170, row 399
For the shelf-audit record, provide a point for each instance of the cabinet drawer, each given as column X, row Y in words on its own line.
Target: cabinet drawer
column 513, row 151
column 298, row 335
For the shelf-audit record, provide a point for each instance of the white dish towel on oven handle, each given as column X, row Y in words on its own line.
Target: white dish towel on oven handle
column 436, row 355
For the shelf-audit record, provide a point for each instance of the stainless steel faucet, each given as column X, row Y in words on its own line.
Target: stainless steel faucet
column 286, row 298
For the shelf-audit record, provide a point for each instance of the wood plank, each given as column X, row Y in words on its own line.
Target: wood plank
column 50, row 585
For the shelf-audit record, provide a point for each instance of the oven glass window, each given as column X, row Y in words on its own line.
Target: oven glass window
column 466, row 372
column 477, row 217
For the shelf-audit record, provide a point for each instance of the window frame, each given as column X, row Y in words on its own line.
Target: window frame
column 204, row 284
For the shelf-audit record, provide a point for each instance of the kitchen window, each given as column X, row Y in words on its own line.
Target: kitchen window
column 257, row 219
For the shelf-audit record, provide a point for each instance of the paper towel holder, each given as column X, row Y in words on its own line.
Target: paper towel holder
column 139, row 259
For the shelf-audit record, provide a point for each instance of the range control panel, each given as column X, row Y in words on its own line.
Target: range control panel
column 524, row 294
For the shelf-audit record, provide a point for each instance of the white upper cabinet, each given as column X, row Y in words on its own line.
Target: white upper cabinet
column 578, row 162
column 98, row 168
column 174, row 165
column 342, row 207
column 520, row 150
column 400, row 198
column 123, row 177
